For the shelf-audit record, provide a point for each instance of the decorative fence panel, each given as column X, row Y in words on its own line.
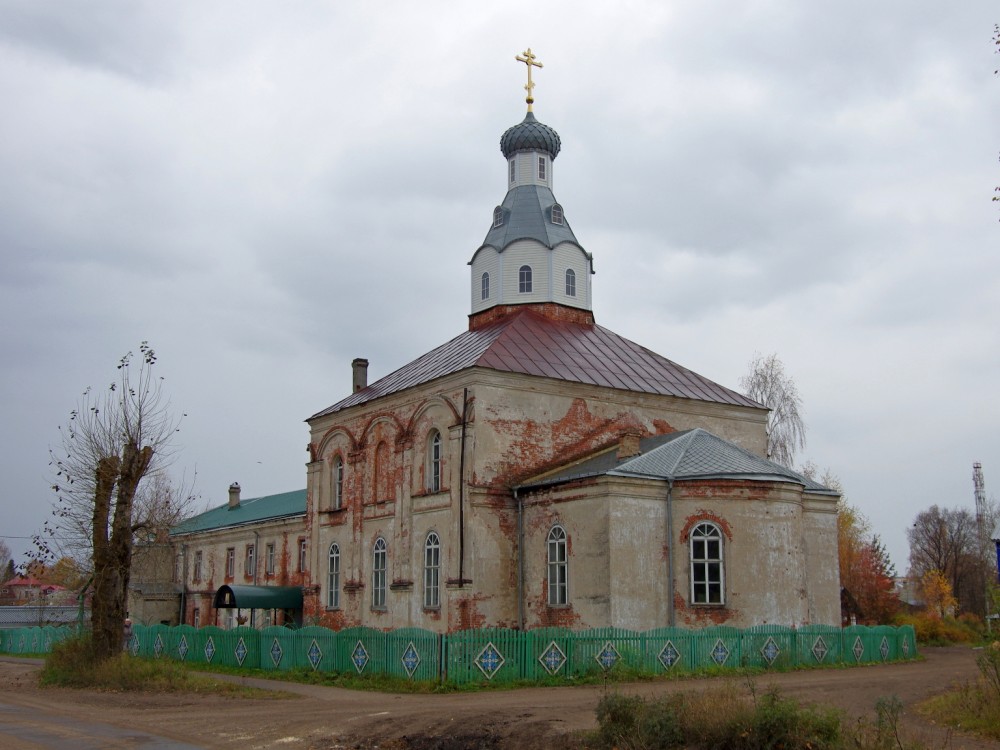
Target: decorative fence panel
column 498, row 654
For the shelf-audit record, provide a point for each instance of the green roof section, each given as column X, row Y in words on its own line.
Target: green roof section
column 258, row 597
column 251, row 510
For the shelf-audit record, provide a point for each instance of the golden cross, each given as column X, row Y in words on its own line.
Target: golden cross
column 528, row 58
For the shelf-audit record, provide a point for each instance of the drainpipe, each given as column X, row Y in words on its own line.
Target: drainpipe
column 184, row 585
column 670, row 552
column 461, row 491
column 520, row 560
column 256, row 539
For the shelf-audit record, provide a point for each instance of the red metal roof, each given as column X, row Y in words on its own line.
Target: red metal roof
column 529, row 343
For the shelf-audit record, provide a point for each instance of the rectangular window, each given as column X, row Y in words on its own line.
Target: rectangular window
column 248, row 564
column 269, row 560
column 541, row 167
column 302, row 555
column 513, row 170
column 230, row 562
column 196, row 617
column 196, row 574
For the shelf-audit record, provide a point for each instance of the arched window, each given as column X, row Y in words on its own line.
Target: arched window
column 383, row 485
column 337, row 490
column 378, row 574
column 432, row 571
column 333, row 578
column 434, row 462
column 558, row 565
column 557, row 214
column 707, row 579
column 485, row 283
column 524, row 280
column 570, row 282
column 498, row 217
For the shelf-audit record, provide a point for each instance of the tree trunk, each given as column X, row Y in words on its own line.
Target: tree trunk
column 102, row 629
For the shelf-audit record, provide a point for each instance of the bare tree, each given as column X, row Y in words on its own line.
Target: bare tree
column 6, row 562
column 767, row 384
column 112, row 442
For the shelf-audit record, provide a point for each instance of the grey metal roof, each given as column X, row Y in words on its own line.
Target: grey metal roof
column 530, row 135
column 686, row 455
column 527, row 214
column 251, row 510
column 530, row 343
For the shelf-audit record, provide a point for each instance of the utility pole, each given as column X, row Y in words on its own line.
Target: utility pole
column 979, row 487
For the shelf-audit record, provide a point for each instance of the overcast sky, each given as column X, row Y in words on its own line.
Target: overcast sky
column 265, row 191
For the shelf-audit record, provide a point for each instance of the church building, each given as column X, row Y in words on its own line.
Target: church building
column 541, row 470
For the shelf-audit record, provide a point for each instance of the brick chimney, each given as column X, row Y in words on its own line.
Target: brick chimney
column 629, row 445
column 359, row 371
column 234, row 495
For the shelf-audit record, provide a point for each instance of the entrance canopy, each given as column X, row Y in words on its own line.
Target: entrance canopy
column 258, row 597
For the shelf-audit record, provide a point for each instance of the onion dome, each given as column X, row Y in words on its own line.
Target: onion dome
column 530, row 135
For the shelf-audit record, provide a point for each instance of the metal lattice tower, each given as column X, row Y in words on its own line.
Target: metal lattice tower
column 980, row 488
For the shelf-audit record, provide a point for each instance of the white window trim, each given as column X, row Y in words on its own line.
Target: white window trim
column 432, row 571
column 434, row 445
column 380, row 564
column 333, row 578
column 557, row 567
column 542, row 168
column 337, row 491
column 570, row 282
column 269, row 559
column 705, row 532
column 484, row 284
column 497, row 217
column 525, row 280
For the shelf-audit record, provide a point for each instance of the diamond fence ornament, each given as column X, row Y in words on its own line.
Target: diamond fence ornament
column 819, row 649
column 669, row 655
column 552, row 658
column 276, row 652
column 241, row 651
column 182, row 647
column 883, row 648
column 720, row 654
column 34, row 643
column 490, row 660
column 905, row 647
column 859, row 649
column 158, row 646
column 608, row 656
column 314, row 654
column 20, row 643
column 770, row 651
column 209, row 649
column 410, row 659
column 133, row 645
column 359, row 657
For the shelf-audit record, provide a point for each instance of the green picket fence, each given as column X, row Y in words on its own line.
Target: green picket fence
column 500, row 654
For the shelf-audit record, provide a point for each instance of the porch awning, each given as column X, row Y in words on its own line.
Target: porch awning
column 258, row 597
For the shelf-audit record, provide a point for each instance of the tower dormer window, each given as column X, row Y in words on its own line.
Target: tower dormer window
column 541, row 167
column 557, row 214
column 497, row 217
column 486, row 286
column 570, row 282
column 524, row 280
column 512, row 170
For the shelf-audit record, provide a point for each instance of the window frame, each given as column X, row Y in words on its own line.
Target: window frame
column 269, row 559
column 556, row 214
column 434, row 462
column 337, row 483
column 196, row 617
column 249, row 560
column 333, row 577
column 524, row 280
column 432, row 571
column 230, row 562
column 497, row 217
column 542, row 169
column 557, row 566
column 484, row 286
column 512, row 170
column 302, row 554
column 196, row 571
column 570, row 282
column 380, row 566
column 707, row 572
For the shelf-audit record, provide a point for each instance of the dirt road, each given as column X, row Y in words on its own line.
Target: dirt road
column 330, row 718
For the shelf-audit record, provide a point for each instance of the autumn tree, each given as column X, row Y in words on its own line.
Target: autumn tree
column 947, row 540
column 936, row 591
column 767, row 383
column 114, row 440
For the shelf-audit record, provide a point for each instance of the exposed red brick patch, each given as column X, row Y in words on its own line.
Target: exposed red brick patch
column 704, row 515
column 550, row 310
